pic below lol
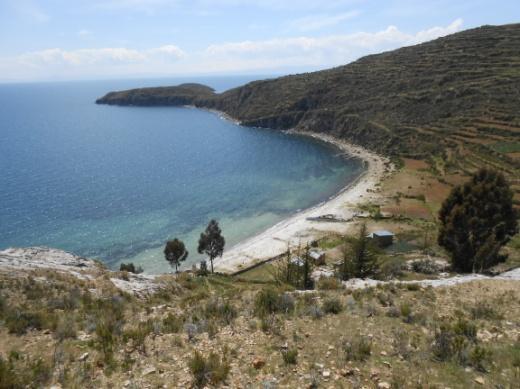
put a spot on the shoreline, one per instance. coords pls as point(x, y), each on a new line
point(297, 229)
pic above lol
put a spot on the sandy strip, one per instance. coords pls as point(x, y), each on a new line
point(297, 229)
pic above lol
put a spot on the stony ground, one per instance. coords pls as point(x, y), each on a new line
point(262, 335)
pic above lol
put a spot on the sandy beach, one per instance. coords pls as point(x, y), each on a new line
point(297, 229)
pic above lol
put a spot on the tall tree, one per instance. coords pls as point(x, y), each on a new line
point(359, 256)
point(212, 242)
point(175, 252)
point(477, 219)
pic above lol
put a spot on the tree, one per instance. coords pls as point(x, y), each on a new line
point(175, 253)
point(361, 260)
point(477, 219)
point(212, 242)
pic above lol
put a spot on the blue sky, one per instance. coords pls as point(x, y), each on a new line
point(67, 40)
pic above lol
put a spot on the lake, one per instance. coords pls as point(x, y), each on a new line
point(114, 183)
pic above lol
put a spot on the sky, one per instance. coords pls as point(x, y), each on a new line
point(99, 39)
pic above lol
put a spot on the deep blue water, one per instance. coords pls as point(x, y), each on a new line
point(115, 182)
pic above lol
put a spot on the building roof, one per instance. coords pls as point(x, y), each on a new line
point(383, 233)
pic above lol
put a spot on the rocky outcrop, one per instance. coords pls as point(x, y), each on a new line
point(25, 261)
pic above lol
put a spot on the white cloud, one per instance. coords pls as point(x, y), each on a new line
point(320, 51)
point(85, 57)
point(84, 33)
point(317, 22)
point(279, 54)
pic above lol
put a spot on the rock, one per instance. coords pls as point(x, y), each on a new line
point(326, 374)
point(347, 372)
point(383, 385)
point(480, 380)
point(149, 370)
point(258, 363)
point(83, 357)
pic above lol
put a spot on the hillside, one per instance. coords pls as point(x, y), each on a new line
point(69, 322)
point(453, 101)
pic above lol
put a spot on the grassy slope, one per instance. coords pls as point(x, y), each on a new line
point(398, 323)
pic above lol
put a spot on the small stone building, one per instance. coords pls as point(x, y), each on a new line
point(318, 257)
point(382, 238)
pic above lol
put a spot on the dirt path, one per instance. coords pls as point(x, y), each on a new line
point(512, 275)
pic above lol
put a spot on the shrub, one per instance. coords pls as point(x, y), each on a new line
point(406, 312)
point(413, 287)
point(220, 310)
point(213, 370)
point(21, 372)
point(401, 343)
point(384, 299)
point(65, 329)
point(393, 312)
point(329, 283)
point(332, 305)
point(484, 310)
point(442, 347)
point(18, 322)
point(458, 341)
point(271, 324)
point(465, 328)
point(130, 268)
point(315, 312)
point(392, 268)
point(290, 356)
point(480, 358)
point(425, 266)
point(138, 335)
point(108, 325)
point(269, 301)
point(358, 349)
point(172, 324)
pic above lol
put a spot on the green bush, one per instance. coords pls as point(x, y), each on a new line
point(466, 329)
point(220, 310)
point(172, 324)
point(329, 283)
point(484, 310)
point(332, 305)
point(213, 370)
point(130, 268)
point(21, 372)
point(138, 335)
point(480, 358)
point(358, 348)
point(18, 322)
point(290, 356)
point(457, 342)
point(269, 301)
point(406, 312)
point(65, 329)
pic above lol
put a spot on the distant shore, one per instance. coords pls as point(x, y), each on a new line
point(297, 229)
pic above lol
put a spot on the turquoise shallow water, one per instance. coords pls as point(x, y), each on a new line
point(115, 182)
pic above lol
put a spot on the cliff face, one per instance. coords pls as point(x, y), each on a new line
point(453, 97)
